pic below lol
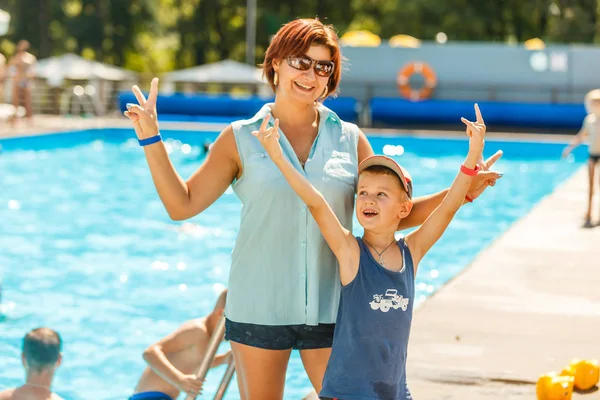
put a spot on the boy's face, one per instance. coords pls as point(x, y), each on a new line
point(381, 201)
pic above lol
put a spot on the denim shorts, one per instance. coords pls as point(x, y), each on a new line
point(280, 337)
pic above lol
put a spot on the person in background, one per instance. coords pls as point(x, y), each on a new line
point(41, 357)
point(174, 360)
point(590, 130)
point(2, 76)
point(23, 63)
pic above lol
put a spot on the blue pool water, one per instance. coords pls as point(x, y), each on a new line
point(87, 249)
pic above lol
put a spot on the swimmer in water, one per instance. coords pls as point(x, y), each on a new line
point(41, 357)
point(174, 360)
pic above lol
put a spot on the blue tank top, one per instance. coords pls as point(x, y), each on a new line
point(368, 358)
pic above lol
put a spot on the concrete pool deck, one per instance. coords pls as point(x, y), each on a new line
point(527, 304)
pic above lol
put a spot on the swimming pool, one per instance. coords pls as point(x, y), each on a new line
point(87, 249)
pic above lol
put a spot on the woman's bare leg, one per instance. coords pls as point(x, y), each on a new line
point(315, 362)
point(260, 372)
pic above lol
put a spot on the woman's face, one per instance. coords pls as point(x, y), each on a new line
point(308, 85)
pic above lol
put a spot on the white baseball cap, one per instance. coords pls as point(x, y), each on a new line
point(387, 162)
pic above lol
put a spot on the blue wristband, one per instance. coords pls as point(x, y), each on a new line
point(150, 140)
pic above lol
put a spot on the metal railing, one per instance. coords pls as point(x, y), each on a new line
point(71, 98)
point(447, 90)
point(225, 381)
point(211, 351)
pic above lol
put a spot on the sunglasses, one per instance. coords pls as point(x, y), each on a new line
point(303, 63)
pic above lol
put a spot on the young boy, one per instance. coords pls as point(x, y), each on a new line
point(174, 360)
point(368, 359)
point(591, 129)
point(41, 357)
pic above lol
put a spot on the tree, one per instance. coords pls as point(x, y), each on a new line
point(154, 36)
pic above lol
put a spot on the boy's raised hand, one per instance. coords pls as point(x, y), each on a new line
point(269, 137)
point(476, 132)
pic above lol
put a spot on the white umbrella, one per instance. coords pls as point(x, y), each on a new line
point(72, 66)
point(4, 22)
point(227, 71)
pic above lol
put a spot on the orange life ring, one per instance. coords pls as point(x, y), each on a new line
point(403, 80)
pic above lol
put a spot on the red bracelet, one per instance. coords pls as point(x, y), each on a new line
point(467, 198)
point(469, 171)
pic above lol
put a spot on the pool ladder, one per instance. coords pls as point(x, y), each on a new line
point(213, 345)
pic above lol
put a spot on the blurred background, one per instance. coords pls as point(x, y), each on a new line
point(533, 60)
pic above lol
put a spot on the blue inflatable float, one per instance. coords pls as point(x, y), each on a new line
point(395, 111)
point(225, 108)
point(383, 111)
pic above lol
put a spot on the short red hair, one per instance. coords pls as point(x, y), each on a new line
point(295, 38)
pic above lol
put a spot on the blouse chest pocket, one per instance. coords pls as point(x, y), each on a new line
point(259, 167)
point(339, 166)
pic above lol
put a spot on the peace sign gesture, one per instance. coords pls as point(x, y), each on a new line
point(143, 116)
point(269, 137)
point(475, 131)
point(484, 178)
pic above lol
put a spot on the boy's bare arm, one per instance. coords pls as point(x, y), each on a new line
point(221, 359)
point(421, 240)
point(186, 336)
point(339, 239)
point(576, 141)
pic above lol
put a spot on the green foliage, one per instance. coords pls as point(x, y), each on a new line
point(154, 36)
